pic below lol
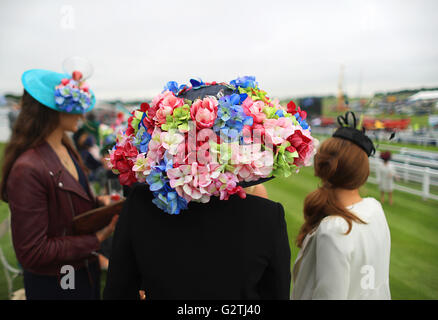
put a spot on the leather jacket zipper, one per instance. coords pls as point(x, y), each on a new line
point(71, 207)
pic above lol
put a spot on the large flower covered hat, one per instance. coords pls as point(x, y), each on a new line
point(210, 139)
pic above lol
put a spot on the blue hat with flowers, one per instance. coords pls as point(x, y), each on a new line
point(59, 91)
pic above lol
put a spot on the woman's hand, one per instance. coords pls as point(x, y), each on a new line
point(104, 200)
point(104, 233)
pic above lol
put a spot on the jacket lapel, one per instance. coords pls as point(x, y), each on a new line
point(63, 178)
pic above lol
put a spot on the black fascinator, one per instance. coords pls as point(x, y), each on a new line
point(348, 131)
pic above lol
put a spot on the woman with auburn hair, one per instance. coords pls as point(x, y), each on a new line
point(44, 183)
point(345, 240)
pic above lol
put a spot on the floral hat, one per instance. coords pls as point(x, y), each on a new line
point(62, 92)
point(210, 139)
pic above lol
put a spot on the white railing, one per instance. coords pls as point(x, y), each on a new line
point(412, 160)
point(431, 155)
point(409, 173)
point(427, 139)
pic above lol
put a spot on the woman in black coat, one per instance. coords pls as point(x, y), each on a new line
point(186, 233)
point(235, 249)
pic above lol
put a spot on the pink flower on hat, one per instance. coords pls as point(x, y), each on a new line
point(171, 141)
point(277, 130)
point(254, 165)
point(155, 147)
point(227, 186)
point(195, 181)
point(204, 112)
point(254, 109)
point(180, 176)
point(142, 167)
point(164, 105)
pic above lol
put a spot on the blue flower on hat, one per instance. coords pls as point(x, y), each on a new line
point(280, 113)
point(173, 86)
point(165, 197)
point(69, 97)
point(157, 178)
point(169, 201)
point(196, 83)
point(301, 121)
point(141, 140)
point(230, 116)
point(244, 82)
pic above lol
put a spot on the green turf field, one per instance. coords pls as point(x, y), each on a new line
point(412, 221)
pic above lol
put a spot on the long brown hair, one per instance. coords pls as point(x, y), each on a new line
point(34, 123)
point(339, 163)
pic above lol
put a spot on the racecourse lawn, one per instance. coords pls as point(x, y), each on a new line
point(412, 221)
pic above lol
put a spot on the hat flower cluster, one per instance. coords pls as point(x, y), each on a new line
point(192, 150)
point(72, 94)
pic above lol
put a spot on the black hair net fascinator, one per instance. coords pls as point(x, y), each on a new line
point(348, 131)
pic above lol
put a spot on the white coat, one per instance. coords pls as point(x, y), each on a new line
point(332, 265)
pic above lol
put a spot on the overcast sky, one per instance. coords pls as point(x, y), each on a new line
point(294, 48)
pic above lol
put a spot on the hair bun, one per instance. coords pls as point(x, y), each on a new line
point(325, 166)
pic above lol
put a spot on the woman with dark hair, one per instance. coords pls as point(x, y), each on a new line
point(44, 183)
point(345, 240)
point(385, 177)
point(188, 229)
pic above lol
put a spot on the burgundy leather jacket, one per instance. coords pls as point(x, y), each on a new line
point(43, 198)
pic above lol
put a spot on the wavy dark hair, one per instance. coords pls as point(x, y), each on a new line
point(34, 123)
point(339, 163)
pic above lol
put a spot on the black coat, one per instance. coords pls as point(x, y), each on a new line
point(235, 249)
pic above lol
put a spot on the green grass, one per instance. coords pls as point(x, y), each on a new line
point(408, 145)
point(413, 224)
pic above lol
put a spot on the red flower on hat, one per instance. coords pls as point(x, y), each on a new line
point(150, 114)
point(293, 109)
point(77, 75)
point(301, 144)
point(130, 130)
point(121, 160)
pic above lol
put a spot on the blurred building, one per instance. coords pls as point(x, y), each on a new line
point(312, 105)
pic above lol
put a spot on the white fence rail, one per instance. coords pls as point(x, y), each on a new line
point(412, 160)
point(409, 173)
point(425, 139)
point(429, 155)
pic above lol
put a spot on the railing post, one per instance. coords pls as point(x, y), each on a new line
point(426, 183)
point(406, 169)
